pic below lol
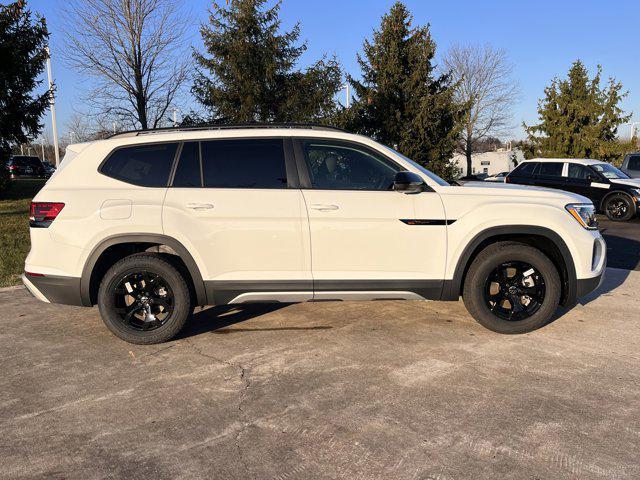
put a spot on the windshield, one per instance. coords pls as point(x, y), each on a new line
point(428, 173)
point(609, 171)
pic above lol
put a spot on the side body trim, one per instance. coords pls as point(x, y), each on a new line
point(426, 221)
point(85, 281)
point(453, 288)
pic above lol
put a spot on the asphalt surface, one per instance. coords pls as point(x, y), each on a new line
point(335, 390)
point(623, 242)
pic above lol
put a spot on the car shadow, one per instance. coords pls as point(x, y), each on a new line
point(217, 320)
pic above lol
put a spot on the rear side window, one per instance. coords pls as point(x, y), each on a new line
point(188, 174)
point(246, 163)
point(526, 169)
point(143, 165)
point(550, 169)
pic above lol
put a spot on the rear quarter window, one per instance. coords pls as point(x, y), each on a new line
point(143, 165)
point(526, 169)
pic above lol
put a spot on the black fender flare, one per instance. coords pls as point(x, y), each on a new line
point(183, 253)
point(452, 288)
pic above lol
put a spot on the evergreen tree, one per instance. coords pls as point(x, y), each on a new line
point(578, 118)
point(400, 101)
point(22, 49)
point(248, 71)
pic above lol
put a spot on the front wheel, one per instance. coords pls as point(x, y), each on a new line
point(143, 299)
point(619, 208)
point(512, 288)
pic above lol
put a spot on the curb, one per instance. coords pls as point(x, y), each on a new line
point(8, 289)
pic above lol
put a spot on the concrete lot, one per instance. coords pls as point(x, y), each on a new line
point(623, 242)
point(378, 390)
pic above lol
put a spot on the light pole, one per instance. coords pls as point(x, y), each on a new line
point(175, 117)
point(42, 147)
point(348, 93)
point(53, 110)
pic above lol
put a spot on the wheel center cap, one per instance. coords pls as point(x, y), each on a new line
point(144, 299)
point(513, 289)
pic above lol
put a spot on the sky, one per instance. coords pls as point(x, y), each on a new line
point(542, 38)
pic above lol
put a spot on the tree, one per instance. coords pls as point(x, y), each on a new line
point(400, 101)
point(579, 118)
point(23, 41)
point(133, 51)
point(483, 77)
point(247, 73)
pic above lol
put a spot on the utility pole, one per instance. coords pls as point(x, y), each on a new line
point(42, 147)
point(53, 110)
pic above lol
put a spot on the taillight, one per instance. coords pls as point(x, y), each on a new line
point(12, 167)
point(43, 213)
point(506, 180)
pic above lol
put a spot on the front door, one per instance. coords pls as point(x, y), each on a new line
point(232, 206)
point(365, 242)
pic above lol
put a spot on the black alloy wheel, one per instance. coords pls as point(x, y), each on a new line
point(619, 208)
point(143, 300)
point(514, 291)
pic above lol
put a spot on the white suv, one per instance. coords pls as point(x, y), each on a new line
point(150, 224)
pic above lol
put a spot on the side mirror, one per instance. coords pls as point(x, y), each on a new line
point(408, 182)
point(592, 177)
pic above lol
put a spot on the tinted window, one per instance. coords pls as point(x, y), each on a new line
point(188, 171)
point(634, 162)
point(249, 163)
point(550, 169)
point(144, 165)
point(526, 169)
point(578, 171)
point(347, 167)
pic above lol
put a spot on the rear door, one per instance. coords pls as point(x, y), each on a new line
point(236, 206)
point(549, 174)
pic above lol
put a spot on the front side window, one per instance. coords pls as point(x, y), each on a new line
point(609, 171)
point(550, 169)
point(143, 165)
point(339, 166)
point(579, 172)
point(244, 163)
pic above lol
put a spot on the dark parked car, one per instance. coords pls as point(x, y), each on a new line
point(612, 191)
point(21, 166)
point(631, 165)
point(478, 177)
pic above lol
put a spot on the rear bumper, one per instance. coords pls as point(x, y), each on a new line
point(54, 289)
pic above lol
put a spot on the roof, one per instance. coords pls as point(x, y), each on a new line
point(581, 161)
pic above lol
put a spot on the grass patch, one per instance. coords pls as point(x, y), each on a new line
point(14, 229)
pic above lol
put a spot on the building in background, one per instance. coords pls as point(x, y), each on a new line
point(490, 163)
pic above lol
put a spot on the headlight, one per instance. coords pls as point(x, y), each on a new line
point(636, 191)
point(584, 213)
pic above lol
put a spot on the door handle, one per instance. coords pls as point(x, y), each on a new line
point(199, 206)
point(323, 207)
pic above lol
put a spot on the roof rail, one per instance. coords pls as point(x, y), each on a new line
point(226, 126)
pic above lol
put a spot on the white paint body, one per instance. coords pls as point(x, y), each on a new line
point(290, 234)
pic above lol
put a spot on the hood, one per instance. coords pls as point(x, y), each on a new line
point(632, 182)
point(514, 191)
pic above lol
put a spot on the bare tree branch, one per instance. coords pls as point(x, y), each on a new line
point(134, 51)
point(486, 85)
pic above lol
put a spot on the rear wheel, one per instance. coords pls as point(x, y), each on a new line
point(143, 299)
point(512, 288)
point(619, 207)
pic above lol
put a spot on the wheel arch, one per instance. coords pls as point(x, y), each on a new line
point(616, 192)
point(133, 243)
point(545, 239)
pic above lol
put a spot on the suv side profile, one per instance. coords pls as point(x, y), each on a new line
point(612, 191)
point(150, 224)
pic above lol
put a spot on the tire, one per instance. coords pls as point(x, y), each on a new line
point(143, 299)
point(619, 207)
point(489, 272)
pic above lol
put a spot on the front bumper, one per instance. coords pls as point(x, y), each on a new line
point(587, 285)
point(54, 289)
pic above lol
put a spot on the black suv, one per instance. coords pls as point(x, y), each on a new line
point(25, 166)
point(612, 191)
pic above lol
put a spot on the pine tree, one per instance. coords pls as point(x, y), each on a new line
point(400, 100)
point(579, 118)
point(22, 49)
point(248, 71)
